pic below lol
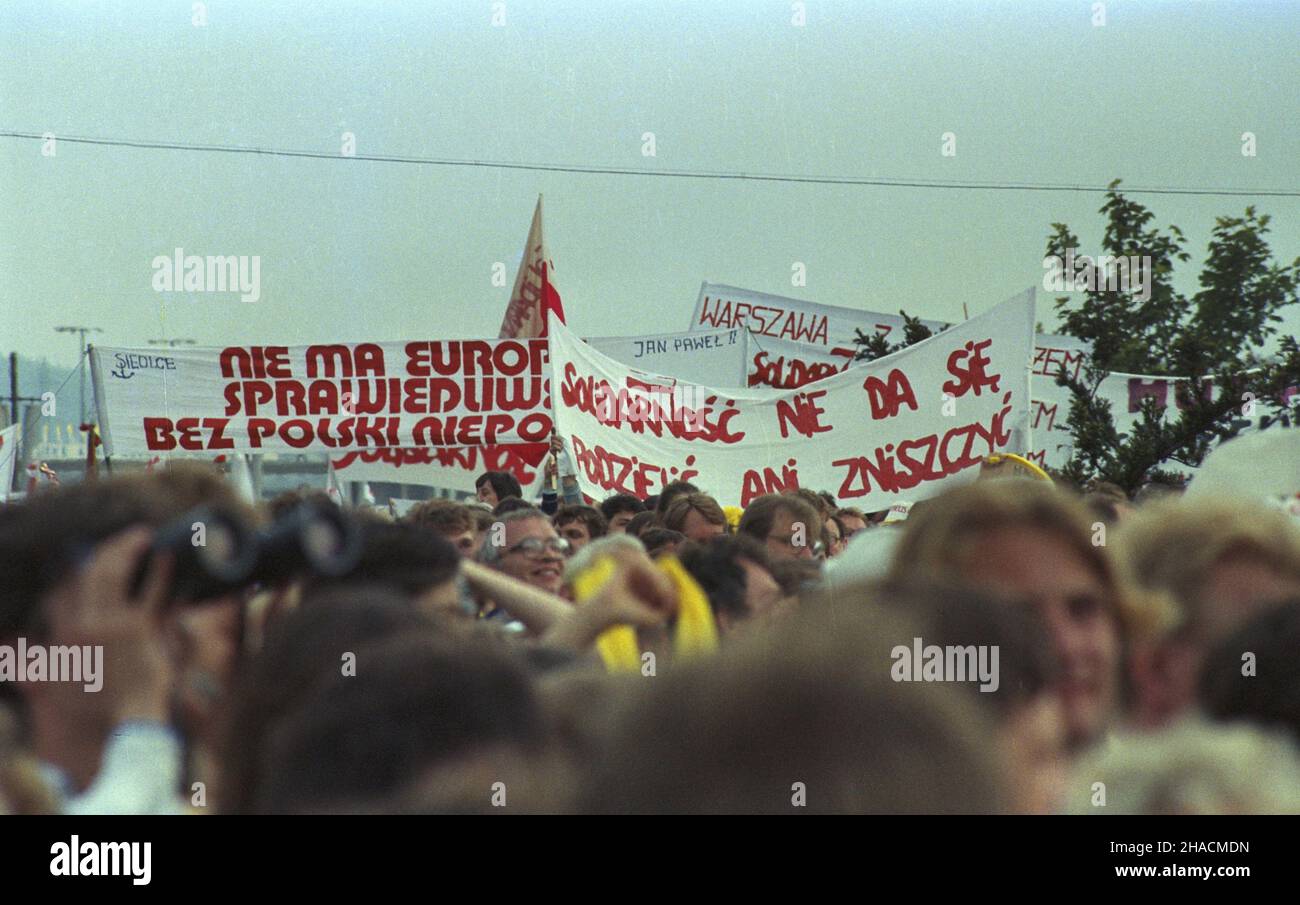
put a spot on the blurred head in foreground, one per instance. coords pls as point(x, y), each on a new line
point(1214, 565)
point(1032, 545)
point(1254, 673)
point(430, 720)
point(46, 544)
point(1002, 657)
point(806, 718)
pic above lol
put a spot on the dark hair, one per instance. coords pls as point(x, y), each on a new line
point(716, 566)
point(403, 558)
point(813, 499)
point(620, 502)
point(677, 512)
point(839, 523)
point(760, 515)
point(414, 704)
point(795, 576)
point(1270, 697)
point(504, 484)
point(589, 516)
point(672, 490)
point(811, 711)
point(643, 521)
point(301, 649)
point(655, 539)
point(41, 538)
point(512, 504)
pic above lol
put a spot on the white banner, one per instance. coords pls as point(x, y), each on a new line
point(321, 398)
point(826, 346)
point(905, 426)
point(787, 365)
point(790, 365)
point(714, 358)
point(1125, 393)
point(792, 342)
point(454, 468)
point(1052, 443)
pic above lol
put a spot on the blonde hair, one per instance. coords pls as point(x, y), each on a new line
point(1170, 547)
point(938, 534)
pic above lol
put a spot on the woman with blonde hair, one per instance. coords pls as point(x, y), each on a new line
point(1034, 544)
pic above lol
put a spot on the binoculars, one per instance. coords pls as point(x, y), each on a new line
point(216, 553)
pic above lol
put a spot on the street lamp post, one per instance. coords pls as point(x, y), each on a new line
point(81, 353)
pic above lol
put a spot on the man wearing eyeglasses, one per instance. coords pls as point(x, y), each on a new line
point(788, 526)
point(524, 545)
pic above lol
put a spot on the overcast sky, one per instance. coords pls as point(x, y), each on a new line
point(351, 250)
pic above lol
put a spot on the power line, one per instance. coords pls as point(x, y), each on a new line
point(662, 174)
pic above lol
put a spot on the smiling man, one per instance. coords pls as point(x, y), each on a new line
point(524, 545)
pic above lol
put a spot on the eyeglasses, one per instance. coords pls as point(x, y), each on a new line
point(534, 546)
point(818, 548)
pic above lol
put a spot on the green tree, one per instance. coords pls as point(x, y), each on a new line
point(878, 346)
point(1208, 338)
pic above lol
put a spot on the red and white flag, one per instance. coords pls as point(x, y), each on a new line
point(534, 298)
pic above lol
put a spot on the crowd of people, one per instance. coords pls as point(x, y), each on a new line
point(1009, 646)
